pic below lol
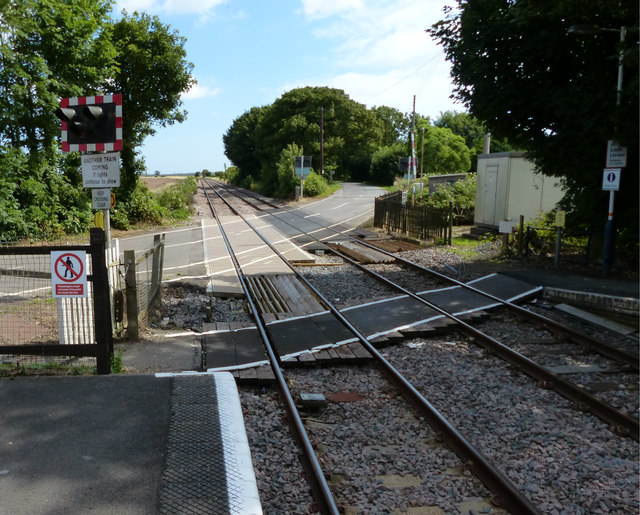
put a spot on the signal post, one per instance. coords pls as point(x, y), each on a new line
point(94, 124)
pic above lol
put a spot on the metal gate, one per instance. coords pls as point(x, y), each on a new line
point(33, 323)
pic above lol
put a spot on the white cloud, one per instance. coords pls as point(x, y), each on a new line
point(201, 91)
point(383, 32)
point(385, 52)
point(324, 8)
point(202, 7)
point(396, 88)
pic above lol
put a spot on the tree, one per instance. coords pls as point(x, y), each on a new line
point(48, 49)
point(551, 93)
point(384, 164)
point(240, 144)
point(351, 132)
point(444, 151)
point(396, 125)
point(473, 131)
point(51, 49)
point(152, 74)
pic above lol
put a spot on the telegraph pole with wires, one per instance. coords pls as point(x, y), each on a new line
point(413, 168)
point(322, 141)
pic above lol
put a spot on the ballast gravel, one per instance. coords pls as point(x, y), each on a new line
point(564, 460)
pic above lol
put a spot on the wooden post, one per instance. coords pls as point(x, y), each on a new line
point(131, 294)
point(101, 301)
point(521, 236)
point(450, 221)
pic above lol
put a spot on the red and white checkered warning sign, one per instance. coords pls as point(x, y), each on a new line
point(98, 100)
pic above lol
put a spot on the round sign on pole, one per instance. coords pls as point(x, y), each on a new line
point(68, 274)
point(611, 179)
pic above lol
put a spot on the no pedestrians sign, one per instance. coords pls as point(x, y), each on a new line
point(69, 274)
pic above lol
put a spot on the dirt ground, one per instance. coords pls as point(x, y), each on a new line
point(158, 183)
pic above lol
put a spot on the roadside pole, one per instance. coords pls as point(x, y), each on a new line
point(92, 125)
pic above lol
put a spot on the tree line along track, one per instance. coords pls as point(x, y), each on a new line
point(493, 478)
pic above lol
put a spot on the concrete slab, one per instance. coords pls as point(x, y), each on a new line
point(224, 281)
point(230, 350)
point(595, 319)
point(576, 369)
point(169, 355)
point(134, 444)
point(89, 444)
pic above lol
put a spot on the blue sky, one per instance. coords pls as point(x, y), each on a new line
point(248, 53)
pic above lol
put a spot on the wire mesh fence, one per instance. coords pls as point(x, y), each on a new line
point(143, 279)
point(38, 325)
point(28, 313)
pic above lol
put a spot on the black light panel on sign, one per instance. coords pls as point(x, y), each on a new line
point(91, 124)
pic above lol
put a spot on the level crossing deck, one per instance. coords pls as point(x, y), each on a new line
point(296, 337)
point(253, 254)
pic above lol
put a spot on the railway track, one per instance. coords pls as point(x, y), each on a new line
point(515, 500)
point(625, 364)
point(505, 492)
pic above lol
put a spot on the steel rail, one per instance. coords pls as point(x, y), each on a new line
point(585, 340)
point(620, 422)
point(507, 493)
point(321, 487)
point(248, 194)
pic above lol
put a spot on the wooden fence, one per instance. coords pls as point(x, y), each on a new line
point(421, 222)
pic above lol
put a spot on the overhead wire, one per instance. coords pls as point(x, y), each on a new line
point(403, 78)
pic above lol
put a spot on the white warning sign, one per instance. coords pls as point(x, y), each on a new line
point(69, 274)
point(101, 170)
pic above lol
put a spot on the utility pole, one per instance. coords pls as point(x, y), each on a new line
point(422, 162)
point(322, 140)
point(412, 167)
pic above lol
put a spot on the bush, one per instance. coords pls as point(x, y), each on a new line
point(287, 180)
point(247, 183)
point(143, 207)
point(119, 219)
point(315, 185)
point(461, 193)
point(384, 164)
point(230, 175)
point(178, 197)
